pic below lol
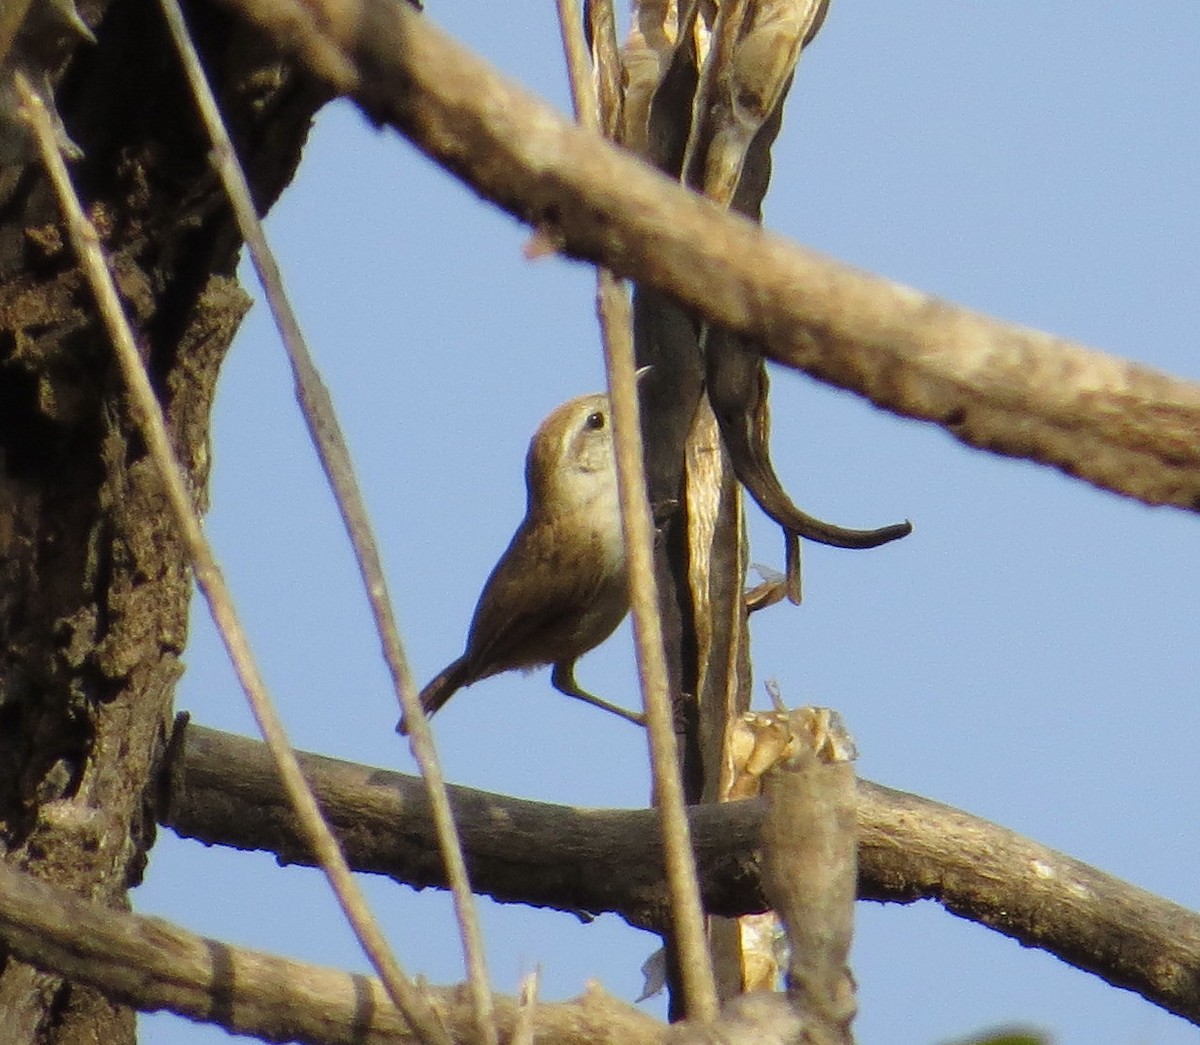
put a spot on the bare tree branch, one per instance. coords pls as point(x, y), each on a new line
point(909, 847)
point(222, 790)
point(151, 964)
point(993, 385)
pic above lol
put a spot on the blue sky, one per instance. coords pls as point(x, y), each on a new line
point(1028, 654)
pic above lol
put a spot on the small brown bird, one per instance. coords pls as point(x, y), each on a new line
point(561, 588)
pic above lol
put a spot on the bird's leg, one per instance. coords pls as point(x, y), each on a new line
point(562, 678)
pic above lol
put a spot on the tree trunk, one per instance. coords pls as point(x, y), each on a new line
point(94, 586)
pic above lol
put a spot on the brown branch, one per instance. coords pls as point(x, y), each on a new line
point(151, 964)
point(909, 847)
point(994, 385)
point(222, 790)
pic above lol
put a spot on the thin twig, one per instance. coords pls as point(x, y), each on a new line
point(316, 404)
point(151, 423)
point(616, 324)
point(579, 68)
point(699, 984)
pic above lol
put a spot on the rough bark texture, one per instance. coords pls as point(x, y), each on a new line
point(94, 588)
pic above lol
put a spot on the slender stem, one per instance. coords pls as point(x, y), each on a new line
point(699, 984)
point(149, 417)
point(616, 324)
point(579, 65)
point(316, 405)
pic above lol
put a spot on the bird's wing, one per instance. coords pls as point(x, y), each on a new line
point(511, 628)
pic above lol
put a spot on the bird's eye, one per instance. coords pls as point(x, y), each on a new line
point(595, 419)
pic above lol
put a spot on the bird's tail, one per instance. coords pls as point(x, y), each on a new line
point(441, 689)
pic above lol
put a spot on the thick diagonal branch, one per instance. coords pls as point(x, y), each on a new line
point(993, 385)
